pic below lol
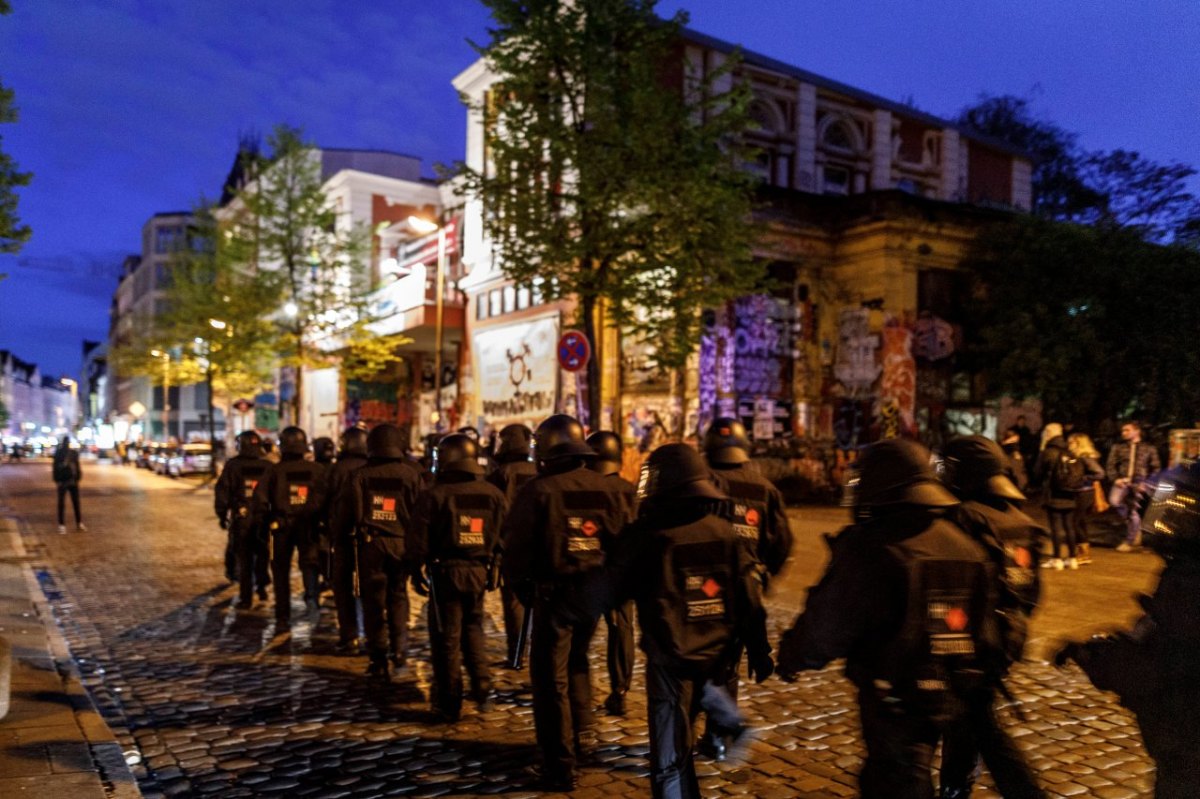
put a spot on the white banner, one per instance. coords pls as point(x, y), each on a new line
point(518, 371)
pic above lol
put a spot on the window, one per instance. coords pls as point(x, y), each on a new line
point(510, 299)
point(536, 292)
point(522, 297)
point(162, 276)
point(200, 397)
point(838, 136)
point(481, 306)
point(494, 300)
point(836, 180)
point(165, 238)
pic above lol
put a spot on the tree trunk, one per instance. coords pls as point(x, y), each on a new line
point(298, 390)
point(678, 418)
point(588, 311)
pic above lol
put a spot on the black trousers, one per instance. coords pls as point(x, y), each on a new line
point(63, 490)
point(514, 613)
point(342, 579)
point(1062, 527)
point(562, 685)
point(383, 579)
point(980, 734)
point(620, 647)
point(253, 566)
point(231, 571)
point(456, 637)
point(899, 750)
point(673, 699)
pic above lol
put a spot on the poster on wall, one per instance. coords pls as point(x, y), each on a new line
point(517, 371)
point(374, 403)
point(766, 419)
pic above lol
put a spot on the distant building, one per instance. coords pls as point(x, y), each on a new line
point(93, 384)
point(37, 405)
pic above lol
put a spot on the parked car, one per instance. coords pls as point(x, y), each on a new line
point(159, 458)
point(190, 459)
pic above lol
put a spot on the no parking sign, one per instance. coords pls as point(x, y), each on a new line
point(573, 350)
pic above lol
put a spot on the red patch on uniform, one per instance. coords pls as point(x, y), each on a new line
point(711, 588)
point(723, 431)
point(253, 484)
point(956, 619)
point(302, 492)
point(589, 528)
point(476, 525)
point(389, 504)
point(1023, 558)
point(752, 517)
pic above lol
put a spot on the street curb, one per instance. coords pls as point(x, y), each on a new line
point(116, 779)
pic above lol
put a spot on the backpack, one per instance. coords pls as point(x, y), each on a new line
point(1068, 473)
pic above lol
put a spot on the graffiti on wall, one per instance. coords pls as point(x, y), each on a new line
point(715, 368)
point(933, 338)
point(856, 365)
point(762, 345)
point(374, 403)
point(898, 381)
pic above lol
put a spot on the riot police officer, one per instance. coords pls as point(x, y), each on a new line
point(909, 600)
point(977, 472)
point(559, 529)
point(342, 543)
point(285, 502)
point(315, 557)
point(382, 496)
point(619, 620)
point(233, 495)
point(456, 539)
point(513, 471)
point(697, 590)
point(756, 510)
point(1155, 667)
point(324, 450)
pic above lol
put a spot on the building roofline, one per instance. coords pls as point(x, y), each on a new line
point(366, 150)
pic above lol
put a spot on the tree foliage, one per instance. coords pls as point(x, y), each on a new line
point(12, 233)
point(613, 171)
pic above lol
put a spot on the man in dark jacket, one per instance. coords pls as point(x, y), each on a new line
point(343, 545)
point(381, 498)
point(976, 471)
point(757, 512)
point(1155, 667)
point(284, 502)
point(232, 500)
point(561, 527)
point(909, 600)
point(514, 469)
point(456, 539)
point(1130, 463)
point(67, 473)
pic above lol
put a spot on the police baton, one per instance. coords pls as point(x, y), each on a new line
point(435, 613)
point(518, 661)
point(357, 588)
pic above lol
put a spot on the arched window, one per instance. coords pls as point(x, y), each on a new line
point(765, 116)
point(838, 136)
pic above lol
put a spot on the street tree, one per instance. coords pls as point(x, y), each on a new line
point(12, 233)
point(614, 171)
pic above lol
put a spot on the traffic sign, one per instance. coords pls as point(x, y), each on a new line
point(573, 350)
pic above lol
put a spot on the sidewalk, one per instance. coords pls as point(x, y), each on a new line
point(53, 743)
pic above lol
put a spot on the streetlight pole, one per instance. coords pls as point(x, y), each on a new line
point(438, 328)
point(166, 414)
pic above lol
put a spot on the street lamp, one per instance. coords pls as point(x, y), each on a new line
point(166, 414)
point(425, 226)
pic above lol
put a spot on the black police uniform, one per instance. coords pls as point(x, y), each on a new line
point(233, 495)
point(619, 620)
point(559, 528)
point(510, 476)
point(343, 561)
point(285, 502)
point(383, 495)
point(456, 535)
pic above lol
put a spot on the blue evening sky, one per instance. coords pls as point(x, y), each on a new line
point(129, 107)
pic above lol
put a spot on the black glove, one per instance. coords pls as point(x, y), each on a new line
point(761, 667)
point(524, 592)
point(1069, 652)
point(420, 584)
point(493, 576)
point(224, 522)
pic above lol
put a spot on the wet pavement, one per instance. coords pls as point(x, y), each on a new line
point(209, 702)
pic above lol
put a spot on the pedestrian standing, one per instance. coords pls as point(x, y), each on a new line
point(561, 527)
point(284, 504)
point(382, 496)
point(1081, 447)
point(618, 620)
point(456, 540)
point(1018, 468)
point(1062, 476)
point(908, 599)
point(67, 473)
point(232, 500)
point(514, 469)
point(1130, 463)
point(343, 544)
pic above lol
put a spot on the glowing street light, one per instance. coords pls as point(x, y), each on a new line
point(218, 324)
point(291, 310)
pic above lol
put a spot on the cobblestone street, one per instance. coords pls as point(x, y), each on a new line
point(211, 702)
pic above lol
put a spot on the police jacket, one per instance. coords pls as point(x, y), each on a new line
point(235, 487)
point(561, 526)
point(696, 586)
point(288, 493)
point(756, 510)
point(1155, 667)
point(511, 477)
point(456, 530)
point(382, 497)
point(1013, 541)
point(902, 593)
point(337, 476)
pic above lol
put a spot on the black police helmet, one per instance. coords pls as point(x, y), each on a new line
point(515, 441)
point(354, 441)
point(458, 452)
point(726, 442)
point(1171, 523)
point(898, 472)
point(676, 471)
point(977, 466)
point(249, 443)
point(607, 446)
point(561, 436)
point(324, 449)
point(292, 441)
point(386, 441)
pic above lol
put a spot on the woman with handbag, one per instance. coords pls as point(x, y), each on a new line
point(1090, 499)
